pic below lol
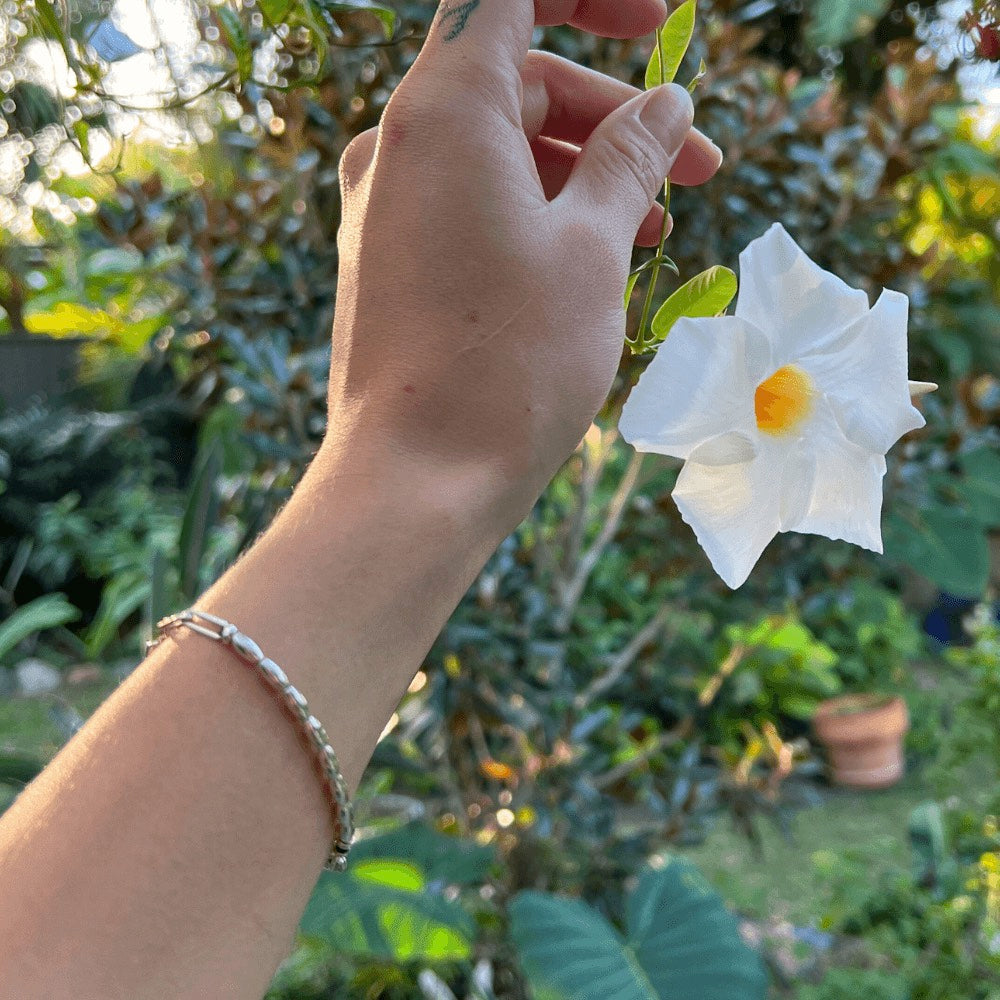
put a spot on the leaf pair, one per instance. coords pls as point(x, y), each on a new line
point(710, 292)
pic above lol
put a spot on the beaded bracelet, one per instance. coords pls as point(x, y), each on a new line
point(249, 652)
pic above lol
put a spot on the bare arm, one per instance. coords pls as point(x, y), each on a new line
point(170, 848)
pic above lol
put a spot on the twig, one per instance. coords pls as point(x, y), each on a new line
point(625, 658)
point(573, 591)
point(593, 468)
point(707, 694)
point(664, 740)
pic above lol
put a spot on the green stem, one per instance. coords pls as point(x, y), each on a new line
point(648, 304)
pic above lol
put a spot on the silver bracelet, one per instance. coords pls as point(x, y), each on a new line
point(248, 651)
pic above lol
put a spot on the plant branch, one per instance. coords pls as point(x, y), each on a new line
point(620, 663)
point(573, 591)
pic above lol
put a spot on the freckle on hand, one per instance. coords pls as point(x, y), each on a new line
point(472, 317)
point(393, 133)
point(409, 388)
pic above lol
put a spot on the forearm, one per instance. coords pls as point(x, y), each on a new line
point(171, 846)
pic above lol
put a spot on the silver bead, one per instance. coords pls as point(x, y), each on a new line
point(317, 728)
point(246, 647)
point(228, 631)
point(296, 699)
point(274, 672)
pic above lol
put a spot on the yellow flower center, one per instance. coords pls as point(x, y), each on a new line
point(784, 400)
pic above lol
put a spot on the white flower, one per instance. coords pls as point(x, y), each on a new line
point(783, 412)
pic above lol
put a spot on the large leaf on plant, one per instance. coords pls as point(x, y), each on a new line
point(122, 595)
point(681, 944)
point(706, 294)
point(675, 37)
point(946, 546)
point(19, 768)
point(836, 21)
point(439, 858)
point(980, 486)
point(42, 613)
point(383, 912)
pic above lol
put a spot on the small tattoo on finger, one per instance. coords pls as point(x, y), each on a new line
point(456, 16)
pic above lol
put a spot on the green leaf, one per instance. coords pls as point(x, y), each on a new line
point(675, 37)
point(391, 872)
point(681, 942)
point(67, 319)
point(19, 769)
point(52, 27)
point(706, 294)
point(947, 546)
point(438, 856)
point(837, 21)
point(698, 77)
point(199, 517)
point(362, 917)
point(123, 594)
point(275, 11)
point(42, 613)
point(980, 486)
point(82, 132)
point(630, 287)
point(236, 37)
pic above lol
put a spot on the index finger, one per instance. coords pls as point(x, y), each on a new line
point(497, 33)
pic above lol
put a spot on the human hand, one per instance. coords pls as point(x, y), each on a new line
point(483, 255)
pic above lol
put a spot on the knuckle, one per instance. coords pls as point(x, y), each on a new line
point(410, 114)
point(630, 158)
point(356, 158)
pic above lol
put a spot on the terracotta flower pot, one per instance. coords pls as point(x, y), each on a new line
point(863, 735)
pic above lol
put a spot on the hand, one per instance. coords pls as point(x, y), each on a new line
point(484, 255)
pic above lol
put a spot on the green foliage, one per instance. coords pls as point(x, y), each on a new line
point(946, 545)
point(383, 910)
point(837, 21)
point(568, 697)
point(783, 670)
point(200, 516)
point(672, 41)
point(680, 941)
point(706, 294)
point(847, 984)
point(42, 613)
point(931, 925)
point(874, 635)
point(18, 768)
point(391, 904)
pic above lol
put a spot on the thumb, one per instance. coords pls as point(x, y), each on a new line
point(628, 157)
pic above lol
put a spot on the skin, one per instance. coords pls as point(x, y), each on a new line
point(170, 848)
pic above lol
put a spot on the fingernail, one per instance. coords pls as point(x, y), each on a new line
point(668, 114)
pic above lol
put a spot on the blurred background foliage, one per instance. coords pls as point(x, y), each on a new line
point(600, 701)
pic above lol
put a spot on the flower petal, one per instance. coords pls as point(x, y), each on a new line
point(699, 385)
point(726, 449)
point(790, 297)
point(734, 511)
point(837, 486)
point(863, 374)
